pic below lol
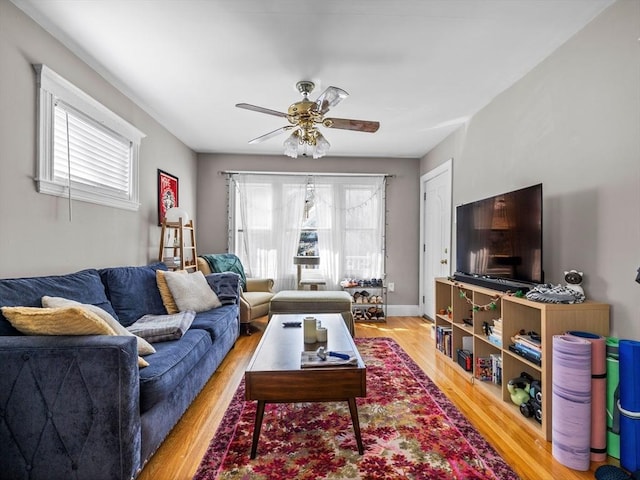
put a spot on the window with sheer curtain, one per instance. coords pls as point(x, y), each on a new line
point(339, 218)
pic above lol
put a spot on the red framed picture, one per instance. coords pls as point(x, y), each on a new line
point(167, 193)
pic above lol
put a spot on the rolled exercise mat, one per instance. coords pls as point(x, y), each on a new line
point(598, 394)
point(629, 404)
point(571, 399)
point(613, 412)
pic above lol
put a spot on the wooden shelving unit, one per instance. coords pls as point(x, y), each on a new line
point(517, 314)
point(178, 245)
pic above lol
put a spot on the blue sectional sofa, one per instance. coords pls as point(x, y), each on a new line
point(79, 407)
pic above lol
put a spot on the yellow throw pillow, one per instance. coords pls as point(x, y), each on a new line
point(59, 321)
point(144, 347)
point(56, 321)
point(165, 293)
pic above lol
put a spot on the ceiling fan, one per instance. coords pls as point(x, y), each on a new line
point(304, 118)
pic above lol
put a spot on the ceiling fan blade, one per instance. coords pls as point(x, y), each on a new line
point(330, 98)
point(254, 108)
point(269, 135)
point(350, 124)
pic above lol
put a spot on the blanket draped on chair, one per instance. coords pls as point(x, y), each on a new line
point(227, 262)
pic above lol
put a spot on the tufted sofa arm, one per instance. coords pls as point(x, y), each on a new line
point(69, 407)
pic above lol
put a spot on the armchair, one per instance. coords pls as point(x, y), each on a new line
point(256, 293)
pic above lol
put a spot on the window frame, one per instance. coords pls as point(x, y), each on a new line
point(53, 88)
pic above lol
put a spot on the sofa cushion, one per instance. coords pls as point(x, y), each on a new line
point(144, 347)
point(168, 367)
point(191, 292)
point(217, 321)
point(257, 298)
point(83, 286)
point(133, 291)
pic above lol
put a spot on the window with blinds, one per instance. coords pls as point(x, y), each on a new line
point(86, 152)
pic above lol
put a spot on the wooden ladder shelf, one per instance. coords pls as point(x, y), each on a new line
point(178, 245)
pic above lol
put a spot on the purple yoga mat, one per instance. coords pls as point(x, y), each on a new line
point(571, 397)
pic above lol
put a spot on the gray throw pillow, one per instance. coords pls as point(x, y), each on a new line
point(191, 292)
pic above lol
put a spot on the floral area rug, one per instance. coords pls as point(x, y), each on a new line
point(410, 430)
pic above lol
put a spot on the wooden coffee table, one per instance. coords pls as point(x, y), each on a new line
point(274, 374)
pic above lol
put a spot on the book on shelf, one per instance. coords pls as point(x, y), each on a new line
point(495, 339)
point(483, 368)
point(443, 339)
point(496, 368)
point(526, 355)
point(171, 260)
point(495, 332)
point(497, 326)
point(528, 350)
point(532, 341)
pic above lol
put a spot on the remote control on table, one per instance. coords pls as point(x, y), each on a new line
point(291, 324)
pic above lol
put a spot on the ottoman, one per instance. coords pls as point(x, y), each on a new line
point(313, 301)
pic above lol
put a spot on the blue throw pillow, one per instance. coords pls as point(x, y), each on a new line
point(133, 291)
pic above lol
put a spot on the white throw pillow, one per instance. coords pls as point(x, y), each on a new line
point(191, 292)
point(144, 347)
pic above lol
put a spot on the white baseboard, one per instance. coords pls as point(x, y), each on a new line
point(403, 310)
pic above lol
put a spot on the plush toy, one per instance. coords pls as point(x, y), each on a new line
point(519, 390)
point(574, 280)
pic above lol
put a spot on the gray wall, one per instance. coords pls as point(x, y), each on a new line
point(36, 236)
point(403, 193)
point(573, 123)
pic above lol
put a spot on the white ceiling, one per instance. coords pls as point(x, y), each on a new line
point(420, 67)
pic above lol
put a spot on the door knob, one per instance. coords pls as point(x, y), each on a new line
point(443, 261)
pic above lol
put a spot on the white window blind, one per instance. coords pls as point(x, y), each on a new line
point(86, 152)
point(98, 157)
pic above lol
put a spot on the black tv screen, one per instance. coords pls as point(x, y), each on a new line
point(501, 237)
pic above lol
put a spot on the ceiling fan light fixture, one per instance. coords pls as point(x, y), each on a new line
point(322, 146)
point(305, 116)
point(291, 145)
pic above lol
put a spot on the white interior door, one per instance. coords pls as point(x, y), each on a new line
point(435, 233)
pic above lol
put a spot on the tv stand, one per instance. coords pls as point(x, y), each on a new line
point(484, 307)
point(499, 284)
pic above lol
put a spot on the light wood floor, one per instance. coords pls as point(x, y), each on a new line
point(529, 455)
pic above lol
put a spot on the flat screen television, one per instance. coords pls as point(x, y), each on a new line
point(499, 239)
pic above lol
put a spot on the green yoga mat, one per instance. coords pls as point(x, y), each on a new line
point(613, 378)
